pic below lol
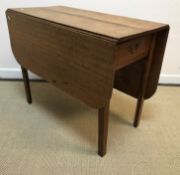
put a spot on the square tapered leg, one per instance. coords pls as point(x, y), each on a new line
point(144, 83)
point(103, 119)
point(26, 85)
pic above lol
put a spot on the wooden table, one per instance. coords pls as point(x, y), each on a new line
point(87, 54)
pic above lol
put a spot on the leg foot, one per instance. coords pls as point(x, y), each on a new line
point(103, 118)
point(138, 111)
point(26, 85)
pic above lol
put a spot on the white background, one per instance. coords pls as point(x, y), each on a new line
point(165, 11)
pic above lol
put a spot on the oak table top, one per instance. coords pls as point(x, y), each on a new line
point(87, 54)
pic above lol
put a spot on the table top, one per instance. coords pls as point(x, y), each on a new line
point(111, 27)
point(77, 50)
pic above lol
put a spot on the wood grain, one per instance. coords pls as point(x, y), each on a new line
point(110, 26)
point(128, 79)
point(131, 51)
point(79, 64)
point(123, 79)
point(114, 45)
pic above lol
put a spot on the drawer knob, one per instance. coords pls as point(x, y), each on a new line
point(133, 47)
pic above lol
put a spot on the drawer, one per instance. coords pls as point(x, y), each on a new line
point(131, 51)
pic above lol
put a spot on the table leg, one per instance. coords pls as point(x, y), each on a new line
point(139, 107)
point(103, 119)
point(144, 82)
point(26, 85)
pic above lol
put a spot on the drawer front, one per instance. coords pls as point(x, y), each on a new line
point(131, 51)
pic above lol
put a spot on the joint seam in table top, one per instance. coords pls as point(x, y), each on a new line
point(111, 39)
point(82, 31)
point(73, 14)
